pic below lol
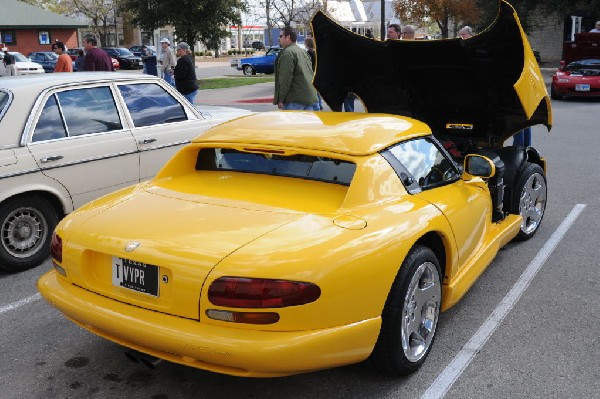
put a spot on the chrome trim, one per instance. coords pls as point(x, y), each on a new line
point(88, 160)
point(158, 147)
point(10, 98)
point(20, 173)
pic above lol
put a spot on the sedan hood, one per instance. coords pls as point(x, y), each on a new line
point(198, 233)
point(485, 88)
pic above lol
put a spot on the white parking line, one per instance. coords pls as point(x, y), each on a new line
point(18, 304)
point(446, 379)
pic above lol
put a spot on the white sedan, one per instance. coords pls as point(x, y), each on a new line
point(25, 66)
point(69, 138)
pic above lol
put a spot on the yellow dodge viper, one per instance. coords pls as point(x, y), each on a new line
point(287, 242)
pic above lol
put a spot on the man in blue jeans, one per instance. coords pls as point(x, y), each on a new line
point(523, 138)
point(293, 75)
point(185, 73)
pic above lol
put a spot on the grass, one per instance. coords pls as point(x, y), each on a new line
point(225, 83)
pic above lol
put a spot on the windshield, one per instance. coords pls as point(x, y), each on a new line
point(585, 67)
point(20, 57)
point(123, 51)
point(309, 167)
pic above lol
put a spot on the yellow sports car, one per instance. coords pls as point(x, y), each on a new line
point(287, 242)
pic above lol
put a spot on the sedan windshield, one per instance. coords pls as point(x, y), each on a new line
point(123, 51)
point(20, 57)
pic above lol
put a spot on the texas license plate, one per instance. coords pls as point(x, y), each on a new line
point(582, 87)
point(135, 276)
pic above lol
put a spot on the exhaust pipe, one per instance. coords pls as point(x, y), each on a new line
point(132, 355)
point(149, 361)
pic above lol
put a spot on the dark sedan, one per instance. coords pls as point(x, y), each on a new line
point(126, 58)
point(47, 59)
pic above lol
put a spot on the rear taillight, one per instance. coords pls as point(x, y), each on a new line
point(56, 253)
point(238, 292)
point(56, 247)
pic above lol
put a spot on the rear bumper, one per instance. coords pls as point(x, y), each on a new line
point(239, 352)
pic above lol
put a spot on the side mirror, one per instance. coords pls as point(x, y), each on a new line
point(480, 166)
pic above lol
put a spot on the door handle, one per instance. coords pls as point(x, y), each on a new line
point(146, 141)
point(51, 158)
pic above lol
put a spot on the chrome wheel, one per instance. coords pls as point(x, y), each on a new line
point(532, 203)
point(420, 311)
point(248, 70)
point(24, 230)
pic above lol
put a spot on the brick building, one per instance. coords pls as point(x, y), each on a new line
point(26, 28)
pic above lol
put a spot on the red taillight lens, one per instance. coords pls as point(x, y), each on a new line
point(238, 292)
point(56, 247)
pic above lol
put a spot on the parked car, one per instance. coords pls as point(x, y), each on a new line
point(73, 53)
point(579, 71)
point(25, 66)
point(69, 138)
point(137, 50)
point(287, 242)
point(258, 45)
point(125, 57)
point(258, 64)
point(47, 59)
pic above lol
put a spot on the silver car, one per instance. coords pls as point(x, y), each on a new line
point(69, 138)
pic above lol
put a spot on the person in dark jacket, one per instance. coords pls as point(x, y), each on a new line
point(185, 73)
point(80, 61)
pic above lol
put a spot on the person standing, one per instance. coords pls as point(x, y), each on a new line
point(293, 75)
point(9, 63)
point(466, 32)
point(80, 61)
point(309, 43)
point(64, 62)
point(167, 61)
point(408, 33)
point(523, 138)
point(185, 73)
point(96, 59)
point(393, 31)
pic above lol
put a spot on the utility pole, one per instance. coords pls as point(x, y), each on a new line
point(383, 30)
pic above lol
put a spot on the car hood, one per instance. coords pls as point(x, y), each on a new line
point(28, 64)
point(585, 46)
point(485, 88)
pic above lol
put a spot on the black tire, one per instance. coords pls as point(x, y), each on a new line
point(248, 70)
point(529, 199)
point(399, 351)
point(554, 95)
point(26, 226)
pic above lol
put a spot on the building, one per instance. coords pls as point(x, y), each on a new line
point(26, 28)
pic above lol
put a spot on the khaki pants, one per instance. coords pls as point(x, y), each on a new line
point(11, 70)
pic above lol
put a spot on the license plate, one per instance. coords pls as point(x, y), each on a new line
point(582, 87)
point(135, 276)
point(140, 63)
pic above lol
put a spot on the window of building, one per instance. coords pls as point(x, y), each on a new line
point(44, 37)
point(8, 37)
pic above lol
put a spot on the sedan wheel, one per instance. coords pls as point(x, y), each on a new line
point(530, 199)
point(248, 70)
point(410, 315)
point(26, 229)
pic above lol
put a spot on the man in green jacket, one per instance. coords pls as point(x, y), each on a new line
point(293, 75)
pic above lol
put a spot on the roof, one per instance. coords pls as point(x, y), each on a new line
point(18, 15)
point(350, 133)
point(38, 83)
